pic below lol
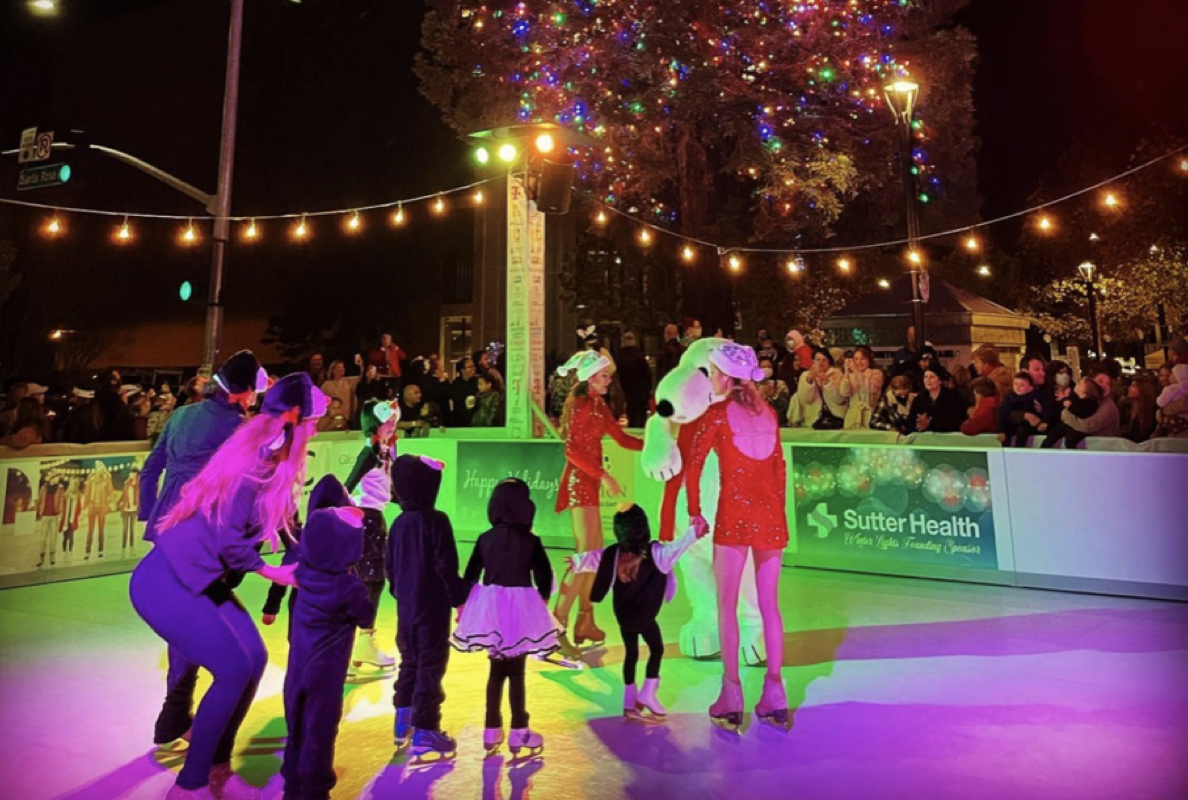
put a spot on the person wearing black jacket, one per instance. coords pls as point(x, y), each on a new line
point(937, 409)
point(639, 572)
point(332, 602)
point(423, 568)
point(636, 377)
point(507, 613)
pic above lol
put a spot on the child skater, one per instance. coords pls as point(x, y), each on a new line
point(639, 571)
point(333, 600)
point(504, 614)
point(423, 565)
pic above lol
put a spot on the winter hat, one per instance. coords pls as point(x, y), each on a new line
point(241, 373)
point(511, 504)
point(737, 360)
point(585, 363)
point(295, 391)
point(375, 413)
point(632, 530)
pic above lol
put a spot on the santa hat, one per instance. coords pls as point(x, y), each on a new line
point(295, 391)
point(585, 364)
point(736, 360)
point(241, 373)
point(375, 413)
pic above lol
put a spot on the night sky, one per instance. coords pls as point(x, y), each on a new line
point(331, 116)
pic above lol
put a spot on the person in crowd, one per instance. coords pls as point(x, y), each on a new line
point(370, 387)
point(411, 408)
point(987, 365)
point(1037, 367)
point(8, 413)
point(116, 422)
point(1177, 351)
point(342, 388)
point(894, 411)
point(862, 386)
point(670, 352)
point(507, 612)
point(962, 382)
point(1018, 409)
point(388, 358)
point(435, 391)
point(184, 587)
point(30, 425)
point(1057, 387)
point(1140, 422)
point(819, 386)
point(905, 360)
point(333, 601)
point(463, 394)
point(766, 347)
point(184, 448)
point(484, 365)
point(335, 418)
point(83, 420)
point(489, 410)
point(1087, 399)
point(774, 390)
point(316, 369)
point(1172, 402)
point(195, 391)
point(1164, 374)
point(984, 417)
point(636, 378)
point(938, 409)
point(163, 405)
point(692, 331)
point(798, 357)
point(423, 571)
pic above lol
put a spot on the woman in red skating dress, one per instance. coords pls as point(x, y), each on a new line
point(751, 519)
point(584, 422)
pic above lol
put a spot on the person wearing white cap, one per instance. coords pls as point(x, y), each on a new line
point(585, 420)
point(751, 520)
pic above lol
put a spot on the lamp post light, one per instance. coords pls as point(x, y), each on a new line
point(901, 99)
point(1088, 269)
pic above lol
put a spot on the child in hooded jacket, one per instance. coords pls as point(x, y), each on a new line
point(423, 569)
point(505, 614)
point(638, 572)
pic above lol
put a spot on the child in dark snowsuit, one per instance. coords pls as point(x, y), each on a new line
point(332, 602)
point(423, 566)
point(640, 573)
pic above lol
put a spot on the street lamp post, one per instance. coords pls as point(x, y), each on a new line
point(1088, 269)
point(901, 99)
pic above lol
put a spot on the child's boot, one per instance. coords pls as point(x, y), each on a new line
point(648, 699)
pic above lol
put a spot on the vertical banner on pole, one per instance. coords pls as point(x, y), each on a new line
point(519, 422)
point(536, 313)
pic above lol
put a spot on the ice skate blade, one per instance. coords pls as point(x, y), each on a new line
point(429, 757)
point(778, 719)
point(559, 660)
point(176, 747)
point(527, 752)
point(730, 722)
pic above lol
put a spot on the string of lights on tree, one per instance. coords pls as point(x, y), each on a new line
point(398, 214)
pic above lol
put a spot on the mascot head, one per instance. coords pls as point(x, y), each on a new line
point(685, 393)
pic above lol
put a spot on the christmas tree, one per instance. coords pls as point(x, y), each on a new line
point(734, 121)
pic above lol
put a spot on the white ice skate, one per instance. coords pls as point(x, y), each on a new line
point(648, 700)
point(367, 653)
point(525, 743)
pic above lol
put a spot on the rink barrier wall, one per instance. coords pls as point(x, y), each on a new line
point(1106, 520)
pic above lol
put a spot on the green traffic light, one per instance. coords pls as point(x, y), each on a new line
point(64, 173)
point(186, 291)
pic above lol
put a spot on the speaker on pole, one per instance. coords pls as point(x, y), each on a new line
point(555, 187)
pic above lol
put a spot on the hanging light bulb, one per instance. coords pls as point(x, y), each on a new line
point(398, 215)
point(884, 283)
point(123, 234)
point(1184, 165)
point(354, 223)
point(645, 237)
point(301, 229)
point(439, 206)
point(971, 243)
point(734, 262)
point(984, 271)
point(478, 197)
point(1110, 200)
point(251, 233)
point(915, 257)
point(54, 226)
point(190, 234)
point(601, 217)
point(1046, 224)
point(844, 264)
point(688, 253)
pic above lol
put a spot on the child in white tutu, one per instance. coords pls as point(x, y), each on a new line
point(505, 614)
point(639, 571)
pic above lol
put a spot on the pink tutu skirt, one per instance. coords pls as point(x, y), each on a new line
point(507, 622)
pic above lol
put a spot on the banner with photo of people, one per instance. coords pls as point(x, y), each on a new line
point(70, 513)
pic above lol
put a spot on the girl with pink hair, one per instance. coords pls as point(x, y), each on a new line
point(184, 588)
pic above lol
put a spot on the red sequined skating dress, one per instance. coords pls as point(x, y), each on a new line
point(751, 501)
point(581, 481)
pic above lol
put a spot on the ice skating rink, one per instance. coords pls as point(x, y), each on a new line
point(901, 688)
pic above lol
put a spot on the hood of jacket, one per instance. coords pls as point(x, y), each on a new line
point(328, 493)
point(416, 481)
point(332, 540)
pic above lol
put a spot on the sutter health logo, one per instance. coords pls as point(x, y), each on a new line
point(877, 522)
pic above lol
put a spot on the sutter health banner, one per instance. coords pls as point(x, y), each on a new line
point(896, 504)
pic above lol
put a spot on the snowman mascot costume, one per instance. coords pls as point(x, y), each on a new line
point(682, 398)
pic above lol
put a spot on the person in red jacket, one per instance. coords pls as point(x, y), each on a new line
point(984, 418)
point(585, 420)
